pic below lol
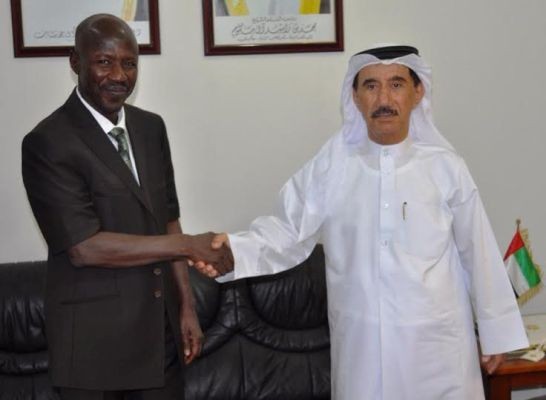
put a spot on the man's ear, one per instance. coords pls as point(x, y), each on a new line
point(419, 93)
point(356, 100)
point(75, 61)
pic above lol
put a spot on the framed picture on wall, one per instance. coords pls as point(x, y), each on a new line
point(272, 26)
point(43, 28)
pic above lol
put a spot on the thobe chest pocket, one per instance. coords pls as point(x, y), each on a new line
point(424, 229)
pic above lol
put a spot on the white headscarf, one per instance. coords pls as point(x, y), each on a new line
point(322, 175)
point(422, 128)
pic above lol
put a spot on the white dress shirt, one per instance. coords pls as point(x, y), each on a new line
point(107, 125)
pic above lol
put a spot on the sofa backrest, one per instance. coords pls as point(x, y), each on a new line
point(265, 337)
point(23, 347)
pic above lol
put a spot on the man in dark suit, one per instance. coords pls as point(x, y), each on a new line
point(100, 182)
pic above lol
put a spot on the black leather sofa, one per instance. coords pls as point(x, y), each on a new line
point(266, 337)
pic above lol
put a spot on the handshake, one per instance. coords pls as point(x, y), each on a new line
point(209, 253)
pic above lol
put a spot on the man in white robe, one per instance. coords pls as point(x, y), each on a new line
point(411, 261)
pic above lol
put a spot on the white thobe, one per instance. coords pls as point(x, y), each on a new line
point(410, 256)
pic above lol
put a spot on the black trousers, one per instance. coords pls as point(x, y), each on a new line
point(174, 381)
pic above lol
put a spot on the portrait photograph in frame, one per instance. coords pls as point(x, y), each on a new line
point(46, 28)
point(272, 26)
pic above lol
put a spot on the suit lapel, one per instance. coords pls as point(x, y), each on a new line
point(93, 136)
point(137, 134)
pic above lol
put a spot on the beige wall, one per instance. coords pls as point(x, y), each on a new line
point(241, 125)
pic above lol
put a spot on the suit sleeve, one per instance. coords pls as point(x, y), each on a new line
point(173, 208)
point(57, 192)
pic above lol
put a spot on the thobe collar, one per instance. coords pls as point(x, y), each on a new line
point(401, 152)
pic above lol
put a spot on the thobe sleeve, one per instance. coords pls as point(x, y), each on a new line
point(278, 242)
point(500, 326)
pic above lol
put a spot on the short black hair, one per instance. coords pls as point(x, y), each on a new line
point(91, 30)
point(413, 74)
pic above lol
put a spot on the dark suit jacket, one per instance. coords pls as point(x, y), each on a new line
point(105, 327)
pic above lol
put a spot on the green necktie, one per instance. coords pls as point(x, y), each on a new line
point(123, 147)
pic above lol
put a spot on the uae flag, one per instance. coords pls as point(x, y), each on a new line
point(523, 273)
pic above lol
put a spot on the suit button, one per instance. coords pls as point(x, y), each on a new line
point(157, 271)
point(157, 294)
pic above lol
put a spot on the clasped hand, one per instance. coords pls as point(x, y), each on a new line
point(211, 254)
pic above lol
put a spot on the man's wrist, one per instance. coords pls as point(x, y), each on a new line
point(182, 245)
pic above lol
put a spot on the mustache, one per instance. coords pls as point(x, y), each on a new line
point(384, 111)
